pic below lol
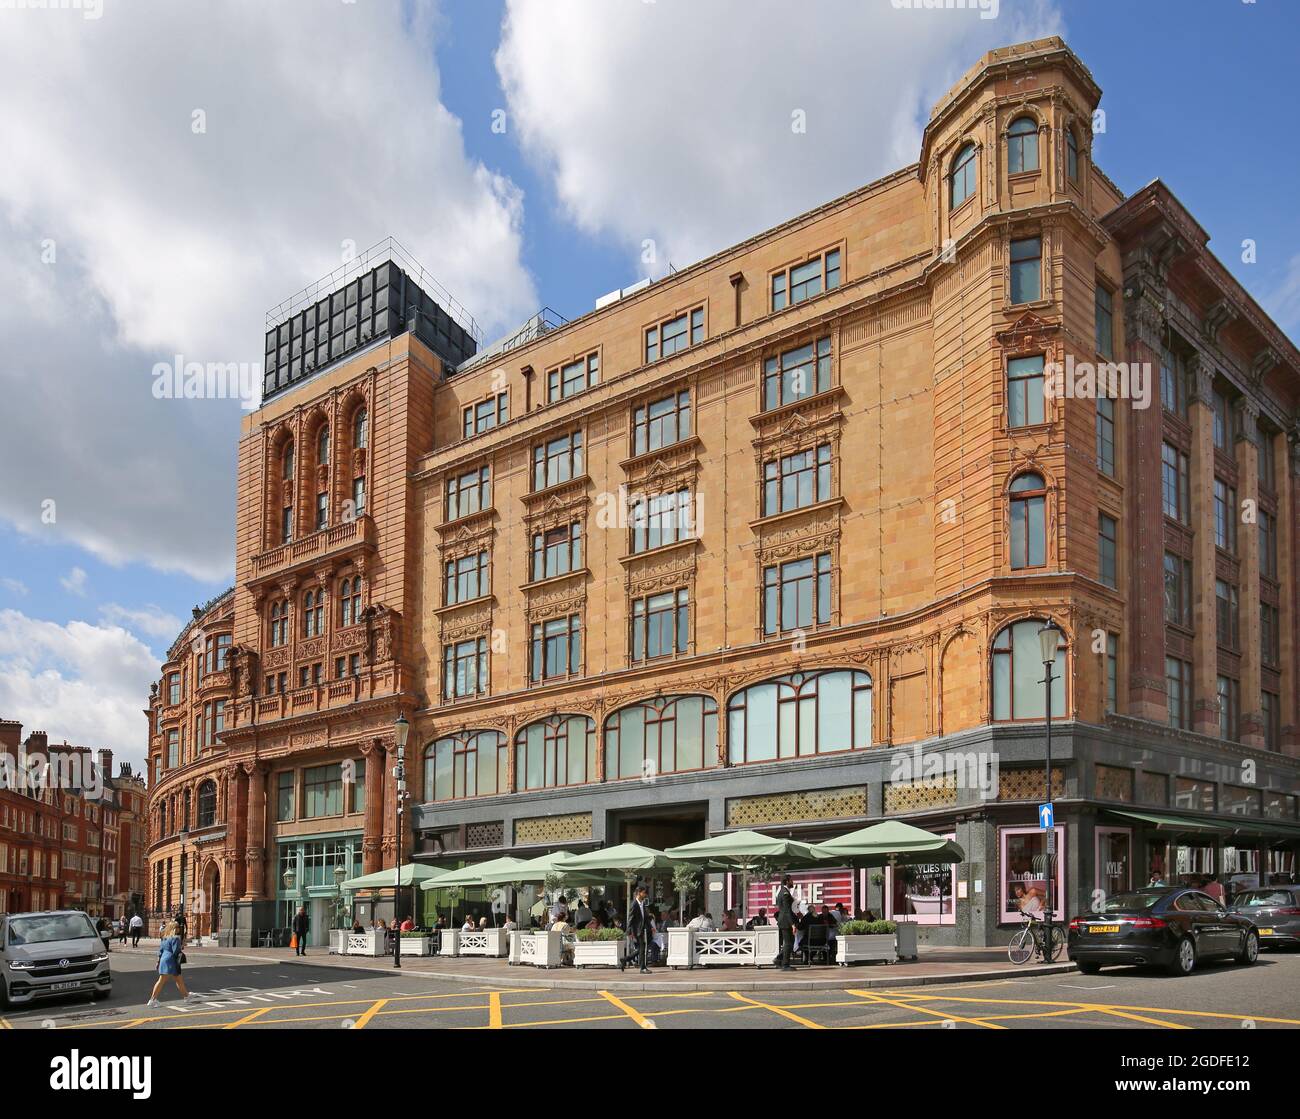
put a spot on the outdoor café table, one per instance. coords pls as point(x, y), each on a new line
point(745, 947)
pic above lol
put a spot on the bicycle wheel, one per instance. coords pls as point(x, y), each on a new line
point(1021, 947)
point(1058, 941)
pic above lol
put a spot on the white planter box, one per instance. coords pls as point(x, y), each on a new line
point(600, 953)
point(339, 942)
point(417, 945)
point(450, 942)
point(753, 948)
point(890, 947)
point(366, 944)
point(486, 942)
point(541, 949)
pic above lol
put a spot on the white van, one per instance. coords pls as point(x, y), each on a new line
point(46, 955)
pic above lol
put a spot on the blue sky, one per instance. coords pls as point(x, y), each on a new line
point(604, 144)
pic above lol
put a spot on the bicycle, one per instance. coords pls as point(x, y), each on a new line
point(1029, 941)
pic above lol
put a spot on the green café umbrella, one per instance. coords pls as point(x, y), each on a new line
point(892, 842)
point(743, 850)
point(540, 868)
point(410, 874)
point(476, 874)
point(625, 859)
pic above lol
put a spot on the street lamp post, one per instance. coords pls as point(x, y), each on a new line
point(290, 879)
point(1049, 640)
point(185, 842)
point(340, 875)
point(401, 729)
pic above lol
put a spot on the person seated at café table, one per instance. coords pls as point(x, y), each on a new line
point(408, 925)
point(840, 914)
point(702, 922)
point(758, 922)
point(357, 926)
point(582, 914)
point(560, 925)
point(470, 924)
point(729, 922)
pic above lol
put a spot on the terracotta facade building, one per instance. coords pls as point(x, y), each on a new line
point(768, 542)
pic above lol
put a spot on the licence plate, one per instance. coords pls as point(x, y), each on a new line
point(1103, 928)
point(1266, 932)
point(65, 986)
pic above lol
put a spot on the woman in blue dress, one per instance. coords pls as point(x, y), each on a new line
point(169, 964)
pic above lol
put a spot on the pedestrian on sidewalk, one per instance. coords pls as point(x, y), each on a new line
point(300, 931)
point(638, 927)
point(137, 929)
point(171, 956)
point(785, 920)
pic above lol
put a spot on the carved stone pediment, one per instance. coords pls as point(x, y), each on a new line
point(1029, 332)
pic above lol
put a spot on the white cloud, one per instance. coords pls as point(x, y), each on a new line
point(323, 124)
point(151, 620)
point(74, 582)
point(673, 120)
point(15, 586)
point(82, 683)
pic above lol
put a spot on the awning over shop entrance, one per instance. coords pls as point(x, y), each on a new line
point(1243, 828)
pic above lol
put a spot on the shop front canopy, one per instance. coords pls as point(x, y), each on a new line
point(744, 849)
point(473, 875)
point(892, 842)
point(410, 874)
point(1244, 827)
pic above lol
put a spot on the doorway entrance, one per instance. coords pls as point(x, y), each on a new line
point(660, 829)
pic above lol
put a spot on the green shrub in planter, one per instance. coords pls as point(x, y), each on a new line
point(414, 933)
point(601, 934)
point(867, 928)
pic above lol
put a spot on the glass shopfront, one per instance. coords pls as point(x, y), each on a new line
point(311, 863)
point(1114, 862)
point(1024, 873)
point(921, 893)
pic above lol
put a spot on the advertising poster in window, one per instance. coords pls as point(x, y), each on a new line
point(922, 893)
point(811, 887)
point(1024, 876)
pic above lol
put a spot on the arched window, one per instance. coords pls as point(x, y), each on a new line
point(313, 613)
point(962, 176)
point(323, 445)
point(350, 601)
point(671, 734)
point(207, 804)
point(467, 764)
point(280, 622)
point(800, 715)
point(1028, 521)
point(1018, 673)
point(1071, 155)
point(360, 429)
point(556, 752)
point(286, 460)
point(1022, 145)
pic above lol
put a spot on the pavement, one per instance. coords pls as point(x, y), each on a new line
point(272, 989)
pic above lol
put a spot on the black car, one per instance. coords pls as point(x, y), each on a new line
point(1273, 910)
point(1169, 926)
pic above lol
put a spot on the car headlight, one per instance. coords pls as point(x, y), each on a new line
point(99, 959)
point(18, 965)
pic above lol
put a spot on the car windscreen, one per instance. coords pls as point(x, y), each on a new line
point(1254, 899)
point(1128, 903)
point(42, 928)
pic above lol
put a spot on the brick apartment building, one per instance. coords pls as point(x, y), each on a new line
point(72, 840)
point(762, 543)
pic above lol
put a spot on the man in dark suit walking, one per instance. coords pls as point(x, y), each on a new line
point(638, 927)
point(300, 931)
point(784, 902)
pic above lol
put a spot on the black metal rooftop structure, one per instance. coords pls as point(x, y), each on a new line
point(379, 294)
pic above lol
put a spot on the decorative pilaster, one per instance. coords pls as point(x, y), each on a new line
point(255, 850)
point(1247, 450)
point(1205, 705)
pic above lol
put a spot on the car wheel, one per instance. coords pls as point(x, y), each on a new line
point(1089, 969)
point(102, 994)
point(1249, 949)
point(1184, 962)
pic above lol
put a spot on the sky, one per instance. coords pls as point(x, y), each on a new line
point(171, 169)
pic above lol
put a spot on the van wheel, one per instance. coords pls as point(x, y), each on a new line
point(1184, 958)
